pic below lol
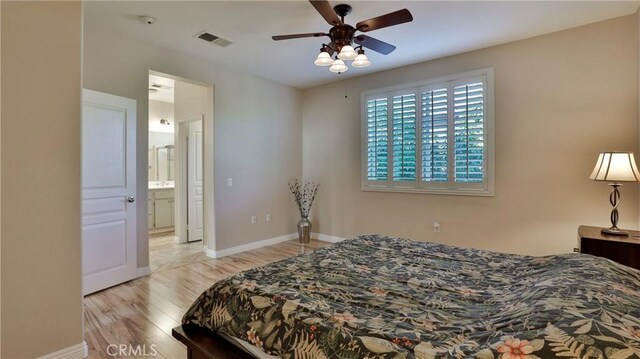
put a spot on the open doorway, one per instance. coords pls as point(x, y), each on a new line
point(177, 110)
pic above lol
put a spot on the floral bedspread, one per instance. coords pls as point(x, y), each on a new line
point(380, 297)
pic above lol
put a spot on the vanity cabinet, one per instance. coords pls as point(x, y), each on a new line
point(162, 209)
point(164, 213)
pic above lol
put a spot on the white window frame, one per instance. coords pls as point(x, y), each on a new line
point(486, 188)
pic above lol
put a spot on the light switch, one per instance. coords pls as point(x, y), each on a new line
point(230, 182)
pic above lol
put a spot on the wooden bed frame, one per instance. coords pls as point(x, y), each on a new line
point(205, 344)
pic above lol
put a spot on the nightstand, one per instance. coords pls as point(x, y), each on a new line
point(624, 250)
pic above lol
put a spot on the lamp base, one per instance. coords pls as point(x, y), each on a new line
point(615, 231)
point(614, 199)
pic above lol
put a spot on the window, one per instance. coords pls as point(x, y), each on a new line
point(432, 137)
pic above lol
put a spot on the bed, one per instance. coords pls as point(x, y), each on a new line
point(381, 297)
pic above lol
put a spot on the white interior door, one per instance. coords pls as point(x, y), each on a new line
point(195, 208)
point(108, 190)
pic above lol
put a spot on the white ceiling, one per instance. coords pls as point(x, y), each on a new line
point(440, 28)
point(164, 89)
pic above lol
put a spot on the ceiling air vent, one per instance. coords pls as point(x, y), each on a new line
point(213, 39)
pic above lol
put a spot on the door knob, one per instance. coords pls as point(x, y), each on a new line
point(131, 199)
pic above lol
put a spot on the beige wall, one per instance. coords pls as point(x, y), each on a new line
point(190, 101)
point(160, 110)
point(41, 263)
point(257, 133)
point(560, 99)
point(0, 182)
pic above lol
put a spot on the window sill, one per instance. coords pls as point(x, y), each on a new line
point(443, 191)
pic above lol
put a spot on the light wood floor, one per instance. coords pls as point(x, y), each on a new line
point(166, 253)
point(143, 311)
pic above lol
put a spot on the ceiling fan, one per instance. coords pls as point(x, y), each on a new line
point(342, 36)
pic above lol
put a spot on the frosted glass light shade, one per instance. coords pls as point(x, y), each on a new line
point(616, 167)
point(338, 66)
point(347, 53)
point(323, 59)
point(361, 61)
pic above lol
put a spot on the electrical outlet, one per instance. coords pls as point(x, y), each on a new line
point(230, 182)
point(268, 217)
point(436, 226)
point(254, 219)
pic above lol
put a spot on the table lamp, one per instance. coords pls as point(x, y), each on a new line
point(615, 167)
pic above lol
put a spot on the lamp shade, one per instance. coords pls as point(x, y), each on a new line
point(347, 53)
point(361, 61)
point(616, 167)
point(323, 59)
point(338, 66)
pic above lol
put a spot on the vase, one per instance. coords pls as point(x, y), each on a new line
point(304, 230)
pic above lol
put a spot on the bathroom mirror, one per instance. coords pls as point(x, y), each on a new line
point(161, 163)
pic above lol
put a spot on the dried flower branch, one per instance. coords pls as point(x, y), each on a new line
point(304, 195)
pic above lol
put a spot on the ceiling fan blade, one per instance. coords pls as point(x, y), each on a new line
point(326, 10)
point(374, 44)
point(390, 19)
point(297, 36)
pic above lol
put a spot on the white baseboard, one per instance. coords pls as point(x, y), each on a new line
point(265, 242)
point(249, 246)
point(78, 351)
point(141, 272)
point(327, 238)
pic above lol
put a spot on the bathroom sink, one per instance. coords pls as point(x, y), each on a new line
point(161, 184)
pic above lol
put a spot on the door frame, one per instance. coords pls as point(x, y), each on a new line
point(208, 156)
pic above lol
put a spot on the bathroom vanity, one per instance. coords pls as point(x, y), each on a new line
point(161, 206)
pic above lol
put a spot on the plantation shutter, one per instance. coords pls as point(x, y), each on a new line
point(430, 137)
point(469, 124)
point(434, 133)
point(404, 137)
point(377, 139)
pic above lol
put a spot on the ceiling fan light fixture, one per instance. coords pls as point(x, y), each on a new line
point(361, 60)
point(338, 67)
point(323, 59)
point(347, 53)
point(343, 36)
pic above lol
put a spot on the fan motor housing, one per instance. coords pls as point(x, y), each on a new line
point(342, 10)
point(342, 35)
